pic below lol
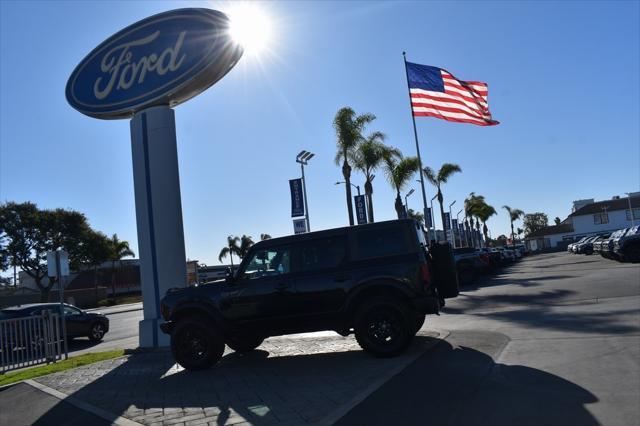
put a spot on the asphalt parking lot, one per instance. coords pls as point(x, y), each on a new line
point(553, 339)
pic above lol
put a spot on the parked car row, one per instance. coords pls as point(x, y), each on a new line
point(472, 262)
point(622, 245)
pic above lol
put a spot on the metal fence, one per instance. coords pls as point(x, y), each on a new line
point(30, 341)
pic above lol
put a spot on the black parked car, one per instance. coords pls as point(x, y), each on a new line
point(377, 280)
point(79, 323)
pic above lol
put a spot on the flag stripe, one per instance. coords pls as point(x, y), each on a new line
point(450, 107)
point(450, 110)
point(456, 120)
point(419, 98)
point(471, 102)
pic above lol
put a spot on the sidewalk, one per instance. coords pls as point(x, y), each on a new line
point(118, 309)
point(287, 382)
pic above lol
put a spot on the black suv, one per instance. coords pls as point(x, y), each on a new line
point(376, 280)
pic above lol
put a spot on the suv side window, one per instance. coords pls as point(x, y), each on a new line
point(381, 242)
point(269, 262)
point(325, 253)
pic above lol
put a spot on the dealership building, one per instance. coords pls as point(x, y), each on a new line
point(588, 217)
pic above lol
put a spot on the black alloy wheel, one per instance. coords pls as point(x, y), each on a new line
point(195, 345)
point(384, 328)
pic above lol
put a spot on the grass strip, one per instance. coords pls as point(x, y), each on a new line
point(67, 364)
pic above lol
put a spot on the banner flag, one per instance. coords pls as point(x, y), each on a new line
point(361, 209)
point(297, 200)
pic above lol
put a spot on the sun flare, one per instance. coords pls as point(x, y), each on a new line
point(250, 26)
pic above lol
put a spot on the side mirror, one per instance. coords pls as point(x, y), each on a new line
point(228, 275)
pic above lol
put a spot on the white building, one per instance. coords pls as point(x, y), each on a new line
point(589, 217)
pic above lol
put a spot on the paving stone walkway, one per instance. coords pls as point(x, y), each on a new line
point(288, 381)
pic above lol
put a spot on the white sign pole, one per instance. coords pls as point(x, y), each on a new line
point(59, 275)
point(158, 215)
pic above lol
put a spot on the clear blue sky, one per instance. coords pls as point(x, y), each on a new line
point(563, 80)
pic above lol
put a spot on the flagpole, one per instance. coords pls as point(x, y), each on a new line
point(415, 135)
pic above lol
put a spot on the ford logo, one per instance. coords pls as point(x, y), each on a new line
point(165, 59)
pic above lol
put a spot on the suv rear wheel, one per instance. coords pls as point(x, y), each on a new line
point(244, 343)
point(384, 328)
point(195, 344)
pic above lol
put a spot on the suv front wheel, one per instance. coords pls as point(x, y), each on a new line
point(384, 328)
point(195, 344)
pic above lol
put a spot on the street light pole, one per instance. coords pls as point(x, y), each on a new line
point(303, 158)
point(458, 225)
point(451, 230)
point(433, 219)
point(406, 205)
point(357, 187)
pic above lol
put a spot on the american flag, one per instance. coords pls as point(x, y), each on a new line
point(437, 93)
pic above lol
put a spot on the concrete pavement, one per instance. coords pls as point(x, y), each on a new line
point(554, 339)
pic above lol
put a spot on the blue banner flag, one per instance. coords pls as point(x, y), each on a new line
point(297, 200)
point(361, 209)
point(428, 219)
point(447, 221)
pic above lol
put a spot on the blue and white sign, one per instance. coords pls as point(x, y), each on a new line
point(428, 218)
point(297, 200)
point(165, 59)
point(361, 209)
point(299, 226)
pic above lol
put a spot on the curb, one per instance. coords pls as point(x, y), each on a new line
point(113, 418)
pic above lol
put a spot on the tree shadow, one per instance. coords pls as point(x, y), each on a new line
point(541, 310)
point(504, 279)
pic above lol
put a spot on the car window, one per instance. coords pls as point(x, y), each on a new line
point(268, 262)
point(381, 242)
point(70, 311)
point(323, 253)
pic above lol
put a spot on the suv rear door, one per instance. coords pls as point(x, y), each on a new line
point(322, 275)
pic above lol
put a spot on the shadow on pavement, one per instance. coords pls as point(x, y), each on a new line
point(507, 279)
point(462, 385)
point(293, 389)
point(541, 311)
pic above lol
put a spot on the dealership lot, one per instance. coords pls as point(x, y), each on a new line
point(553, 339)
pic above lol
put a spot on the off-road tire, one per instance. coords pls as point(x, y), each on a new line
point(244, 343)
point(384, 328)
point(196, 344)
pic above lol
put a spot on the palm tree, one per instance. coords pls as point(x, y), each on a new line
point(245, 244)
point(367, 157)
point(485, 211)
point(349, 127)
point(118, 249)
point(417, 216)
point(472, 206)
point(230, 249)
point(514, 214)
point(399, 172)
point(439, 178)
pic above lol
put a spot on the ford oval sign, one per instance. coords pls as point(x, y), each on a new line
point(165, 59)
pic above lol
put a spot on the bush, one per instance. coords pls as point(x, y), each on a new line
point(107, 302)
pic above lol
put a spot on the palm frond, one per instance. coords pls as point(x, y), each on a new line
point(404, 171)
point(446, 170)
point(431, 176)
